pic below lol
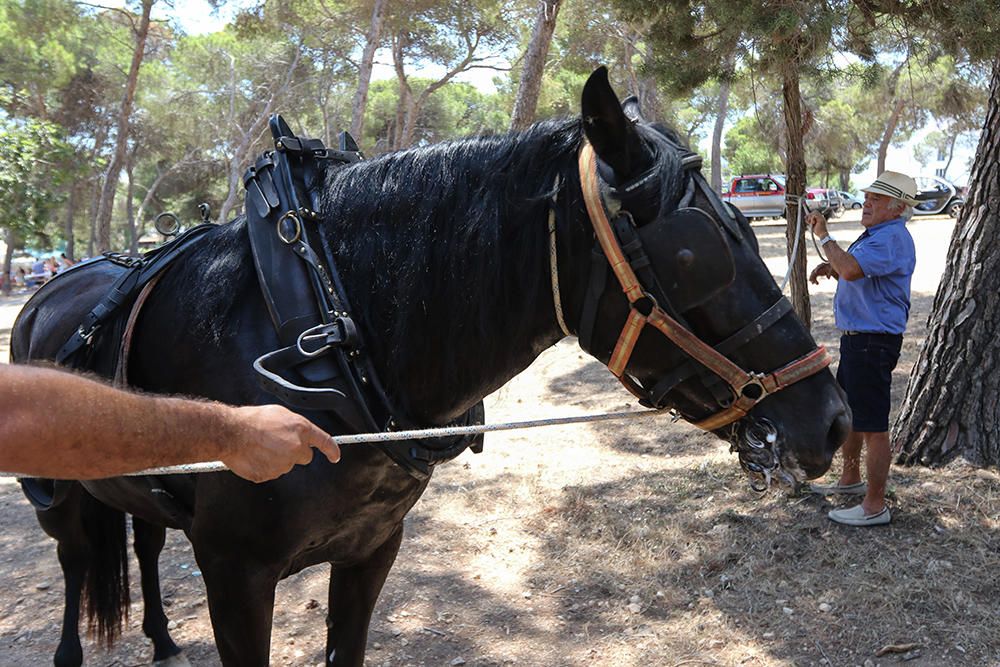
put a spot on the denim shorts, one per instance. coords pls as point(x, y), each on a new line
point(865, 373)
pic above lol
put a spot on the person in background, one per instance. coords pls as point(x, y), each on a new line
point(871, 308)
point(60, 425)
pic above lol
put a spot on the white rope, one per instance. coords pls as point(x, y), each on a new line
point(554, 263)
point(795, 245)
point(417, 434)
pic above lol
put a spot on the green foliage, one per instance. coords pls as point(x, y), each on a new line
point(34, 157)
point(457, 110)
point(750, 150)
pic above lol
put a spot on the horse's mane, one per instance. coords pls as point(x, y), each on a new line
point(450, 240)
point(439, 247)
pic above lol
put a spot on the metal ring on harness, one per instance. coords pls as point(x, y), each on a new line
point(286, 238)
point(167, 229)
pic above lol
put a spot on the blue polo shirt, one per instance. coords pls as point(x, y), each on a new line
point(880, 301)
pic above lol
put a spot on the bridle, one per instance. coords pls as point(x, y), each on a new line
point(745, 388)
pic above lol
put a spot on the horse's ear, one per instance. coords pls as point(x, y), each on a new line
point(610, 132)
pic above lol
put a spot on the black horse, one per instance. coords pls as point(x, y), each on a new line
point(444, 252)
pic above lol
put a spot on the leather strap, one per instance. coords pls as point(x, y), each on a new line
point(747, 388)
point(139, 271)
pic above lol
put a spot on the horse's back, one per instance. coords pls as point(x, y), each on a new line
point(49, 317)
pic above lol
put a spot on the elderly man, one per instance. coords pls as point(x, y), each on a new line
point(871, 308)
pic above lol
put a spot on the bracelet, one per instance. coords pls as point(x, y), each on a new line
point(823, 241)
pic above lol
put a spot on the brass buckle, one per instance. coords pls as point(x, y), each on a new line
point(756, 386)
point(283, 234)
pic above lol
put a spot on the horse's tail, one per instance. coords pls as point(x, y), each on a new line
point(106, 592)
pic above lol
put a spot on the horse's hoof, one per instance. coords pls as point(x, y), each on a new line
point(179, 660)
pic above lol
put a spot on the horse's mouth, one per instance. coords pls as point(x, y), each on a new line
point(758, 444)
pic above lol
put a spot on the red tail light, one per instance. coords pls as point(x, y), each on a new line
point(810, 195)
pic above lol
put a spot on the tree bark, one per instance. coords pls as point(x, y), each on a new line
point(951, 153)
point(845, 179)
point(890, 129)
point(107, 202)
point(92, 216)
point(795, 171)
point(372, 39)
point(133, 238)
point(720, 122)
point(533, 67)
point(8, 257)
point(951, 403)
point(68, 223)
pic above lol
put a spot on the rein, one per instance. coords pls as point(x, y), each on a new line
point(748, 388)
point(415, 434)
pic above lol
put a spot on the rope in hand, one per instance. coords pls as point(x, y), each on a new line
point(418, 434)
point(799, 202)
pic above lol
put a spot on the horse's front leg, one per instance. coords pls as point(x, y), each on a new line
point(148, 543)
point(240, 603)
point(353, 593)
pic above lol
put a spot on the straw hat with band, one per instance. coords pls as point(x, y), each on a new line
point(896, 185)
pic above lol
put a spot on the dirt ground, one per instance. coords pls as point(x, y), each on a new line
point(637, 545)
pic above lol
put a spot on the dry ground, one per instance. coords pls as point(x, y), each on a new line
point(612, 545)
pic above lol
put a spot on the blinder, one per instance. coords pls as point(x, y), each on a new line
point(689, 258)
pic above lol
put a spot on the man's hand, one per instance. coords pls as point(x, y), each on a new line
point(818, 224)
point(273, 440)
point(824, 270)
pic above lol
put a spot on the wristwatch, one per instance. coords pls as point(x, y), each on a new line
point(823, 241)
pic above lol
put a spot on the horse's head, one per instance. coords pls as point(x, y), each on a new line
point(690, 318)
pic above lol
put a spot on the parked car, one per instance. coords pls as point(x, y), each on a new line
point(936, 195)
point(817, 200)
point(850, 201)
point(835, 201)
point(763, 196)
point(757, 195)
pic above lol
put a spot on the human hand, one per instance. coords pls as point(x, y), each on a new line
point(824, 270)
point(818, 224)
point(273, 439)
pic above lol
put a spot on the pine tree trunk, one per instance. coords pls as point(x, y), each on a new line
point(8, 259)
point(92, 216)
point(796, 185)
point(372, 40)
point(890, 129)
point(533, 68)
point(951, 402)
point(951, 154)
point(720, 122)
point(107, 202)
point(133, 238)
point(68, 224)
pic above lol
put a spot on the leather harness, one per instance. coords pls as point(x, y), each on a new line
point(310, 310)
point(744, 389)
point(322, 364)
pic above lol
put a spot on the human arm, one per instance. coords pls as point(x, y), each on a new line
point(841, 262)
point(61, 425)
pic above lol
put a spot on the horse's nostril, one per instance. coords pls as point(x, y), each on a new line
point(839, 430)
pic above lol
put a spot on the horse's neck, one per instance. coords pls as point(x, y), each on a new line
point(444, 337)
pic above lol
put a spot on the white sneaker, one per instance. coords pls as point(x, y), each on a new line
point(855, 516)
point(857, 489)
